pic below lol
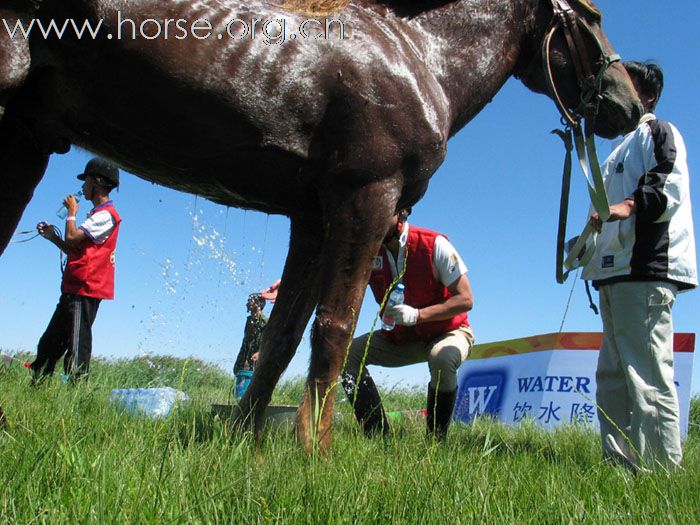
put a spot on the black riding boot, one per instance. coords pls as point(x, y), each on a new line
point(41, 371)
point(440, 409)
point(367, 404)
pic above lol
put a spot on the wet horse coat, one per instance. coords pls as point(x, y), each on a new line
point(334, 133)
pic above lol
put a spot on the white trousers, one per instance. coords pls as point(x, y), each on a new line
point(637, 399)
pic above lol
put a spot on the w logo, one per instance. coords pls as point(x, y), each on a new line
point(479, 398)
point(478, 394)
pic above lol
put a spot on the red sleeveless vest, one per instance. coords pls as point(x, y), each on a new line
point(90, 267)
point(421, 287)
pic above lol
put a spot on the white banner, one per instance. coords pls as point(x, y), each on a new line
point(549, 379)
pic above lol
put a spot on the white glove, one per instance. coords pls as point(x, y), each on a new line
point(404, 315)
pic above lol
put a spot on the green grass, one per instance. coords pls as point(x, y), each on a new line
point(69, 456)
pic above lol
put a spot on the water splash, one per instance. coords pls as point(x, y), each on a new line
point(201, 288)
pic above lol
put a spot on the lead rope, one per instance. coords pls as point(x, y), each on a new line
point(568, 302)
point(57, 231)
point(596, 189)
point(565, 136)
point(24, 232)
point(585, 146)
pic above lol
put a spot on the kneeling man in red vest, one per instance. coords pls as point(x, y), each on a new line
point(88, 277)
point(431, 325)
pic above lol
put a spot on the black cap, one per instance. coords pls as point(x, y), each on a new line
point(105, 170)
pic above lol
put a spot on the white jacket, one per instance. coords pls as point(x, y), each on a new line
point(657, 242)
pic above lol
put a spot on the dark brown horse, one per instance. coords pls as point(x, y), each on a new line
point(334, 132)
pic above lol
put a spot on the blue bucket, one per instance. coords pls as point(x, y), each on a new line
point(243, 378)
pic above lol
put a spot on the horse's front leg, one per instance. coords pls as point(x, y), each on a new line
point(22, 165)
point(295, 302)
point(356, 222)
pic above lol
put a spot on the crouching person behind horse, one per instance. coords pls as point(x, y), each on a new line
point(88, 277)
point(250, 346)
point(431, 325)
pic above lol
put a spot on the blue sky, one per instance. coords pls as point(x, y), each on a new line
point(186, 266)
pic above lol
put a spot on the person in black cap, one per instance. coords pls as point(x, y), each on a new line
point(88, 276)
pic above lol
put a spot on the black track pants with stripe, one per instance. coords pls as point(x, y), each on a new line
point(70, 333)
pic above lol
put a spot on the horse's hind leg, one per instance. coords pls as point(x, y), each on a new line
point(356, 225)
point(22, 166)
point(296, 300)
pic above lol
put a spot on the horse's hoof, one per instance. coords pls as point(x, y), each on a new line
point(315, 436)
point(241, 421)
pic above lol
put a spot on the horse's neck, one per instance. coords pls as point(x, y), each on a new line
point(479, 43)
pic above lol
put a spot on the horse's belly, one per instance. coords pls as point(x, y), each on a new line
point(197, 115)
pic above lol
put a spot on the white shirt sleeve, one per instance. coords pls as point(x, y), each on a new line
point(447, 263)
point(98, 226)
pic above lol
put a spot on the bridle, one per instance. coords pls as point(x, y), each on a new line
point(590, 83)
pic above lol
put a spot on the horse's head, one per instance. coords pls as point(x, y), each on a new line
point(572, 61)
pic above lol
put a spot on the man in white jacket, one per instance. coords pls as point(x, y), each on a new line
point(644, 256)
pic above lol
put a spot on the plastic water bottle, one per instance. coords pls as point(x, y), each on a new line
point(396, 297)
point(62, 212)
point(151, 402)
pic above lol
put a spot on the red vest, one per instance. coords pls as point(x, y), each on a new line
point(90, 267)
point(421, 287)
